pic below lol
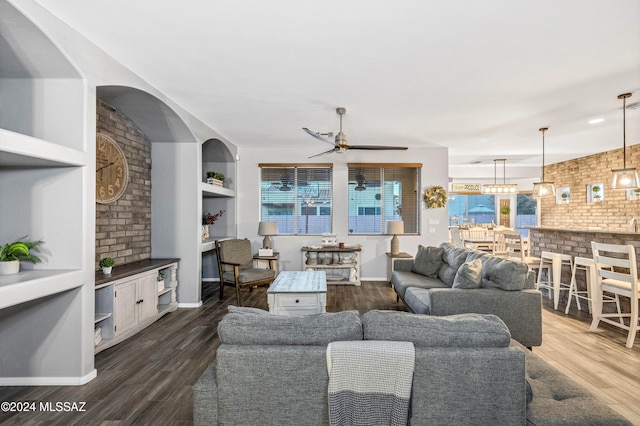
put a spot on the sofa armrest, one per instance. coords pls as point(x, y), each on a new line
point(520, 310)
point(205, 398)
point(403, 265)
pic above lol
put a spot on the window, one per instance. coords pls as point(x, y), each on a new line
point(381, 192)
point(471, 208)
point(298, 197)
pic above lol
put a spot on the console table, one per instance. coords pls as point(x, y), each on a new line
point(342, 265)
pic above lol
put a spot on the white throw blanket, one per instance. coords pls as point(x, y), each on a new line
point(370, 382)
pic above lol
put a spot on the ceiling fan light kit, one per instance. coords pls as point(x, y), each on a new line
point(624, 178)
point(543, 189)
point(500, 188)
point(340, 143)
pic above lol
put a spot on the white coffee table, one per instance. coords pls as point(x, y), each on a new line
point(298, 293)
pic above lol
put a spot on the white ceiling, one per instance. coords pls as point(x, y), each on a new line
point(478, 77)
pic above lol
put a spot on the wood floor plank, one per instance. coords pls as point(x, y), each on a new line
point(147, 379)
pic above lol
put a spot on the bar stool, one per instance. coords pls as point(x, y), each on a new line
point(588, 265)
point(555, 261)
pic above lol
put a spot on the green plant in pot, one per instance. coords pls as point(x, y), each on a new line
point(106, 264)
point(12, 253)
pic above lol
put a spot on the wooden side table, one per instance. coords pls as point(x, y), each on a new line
point(267, 262)
point(391, 260)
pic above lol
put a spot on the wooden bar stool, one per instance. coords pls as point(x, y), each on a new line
point(588, 265)
point(553, 281)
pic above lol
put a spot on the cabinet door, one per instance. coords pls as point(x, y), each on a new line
point(147, 297)
point(124, 306)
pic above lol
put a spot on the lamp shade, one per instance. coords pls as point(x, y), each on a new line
point(395, 227)
point(544, 189)
point(625, 179)
point(268, 228)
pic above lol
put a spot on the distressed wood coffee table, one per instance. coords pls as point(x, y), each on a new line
point(298, 293)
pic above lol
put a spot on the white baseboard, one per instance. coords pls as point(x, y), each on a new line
point(48, 381)
point(373, 279)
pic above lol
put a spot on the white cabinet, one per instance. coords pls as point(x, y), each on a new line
point(135, 301)
point(131, 299)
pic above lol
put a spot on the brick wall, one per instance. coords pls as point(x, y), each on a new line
point(123, 228)
point(613, 213)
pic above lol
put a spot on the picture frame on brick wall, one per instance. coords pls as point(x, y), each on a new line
point(633, 194)
point(563, 195)
point(595, 192)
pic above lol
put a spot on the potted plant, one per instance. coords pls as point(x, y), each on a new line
point(12, 253)
point(106, 264)
point(160, 278)
point(215, 178)
point(596, 192)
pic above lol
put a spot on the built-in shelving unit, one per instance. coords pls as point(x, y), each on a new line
point(216, 157)
point(46, 185)
point(129, 300)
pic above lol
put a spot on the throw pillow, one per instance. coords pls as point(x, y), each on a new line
point(428, 261)
point(469, 275)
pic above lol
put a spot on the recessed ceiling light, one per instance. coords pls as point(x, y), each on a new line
point(596, 121)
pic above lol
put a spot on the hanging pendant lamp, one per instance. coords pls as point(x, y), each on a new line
point(499, 188)
point(543, 189)
point(624, 178)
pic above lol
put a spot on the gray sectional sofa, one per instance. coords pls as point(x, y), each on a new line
point(272, 370)
point(449, 280)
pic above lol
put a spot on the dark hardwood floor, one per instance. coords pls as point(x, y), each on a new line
point(147, 379)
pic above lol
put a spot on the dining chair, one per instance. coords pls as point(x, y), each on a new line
point(516, 249)
point(617, 273)
point(499, 247)
point(456, 237)
point(235, 266)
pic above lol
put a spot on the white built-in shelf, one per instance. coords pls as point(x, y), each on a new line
point(101, 317)
point(214, 191)
point(210, 243)
point(18, 150)
point(36, 283)
point(166, 290)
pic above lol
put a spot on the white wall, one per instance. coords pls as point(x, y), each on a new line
point(374, 261)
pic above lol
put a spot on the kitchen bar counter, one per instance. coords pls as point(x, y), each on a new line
point(577, 242)
point(582, 231)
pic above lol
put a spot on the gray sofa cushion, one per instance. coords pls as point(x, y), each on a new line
point(417, 300)
point(469, 275)
point(465, 330)
point(428, 261)
point(505, 274)
point(319, 329)
point(402, 280)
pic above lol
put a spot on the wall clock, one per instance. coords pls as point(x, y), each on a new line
point(112, 171)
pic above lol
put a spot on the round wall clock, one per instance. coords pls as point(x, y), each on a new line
point(112, 171)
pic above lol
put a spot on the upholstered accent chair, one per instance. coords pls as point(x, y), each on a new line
point(235, 266)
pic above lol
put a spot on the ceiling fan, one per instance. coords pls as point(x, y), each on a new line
point(340, 144)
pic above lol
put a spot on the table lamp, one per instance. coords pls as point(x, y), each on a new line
point(266, 229)
point(395, 227)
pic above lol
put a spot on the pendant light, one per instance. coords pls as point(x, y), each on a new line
point(500, 188)
point(543, 189)
point(625, 178)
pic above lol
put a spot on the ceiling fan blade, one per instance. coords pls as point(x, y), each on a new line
point(323, 153)
point(319, 137)
point(377, 147)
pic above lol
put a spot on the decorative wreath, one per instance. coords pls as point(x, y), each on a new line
point(435, 197)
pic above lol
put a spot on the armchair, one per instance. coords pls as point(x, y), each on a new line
point(235, 266)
